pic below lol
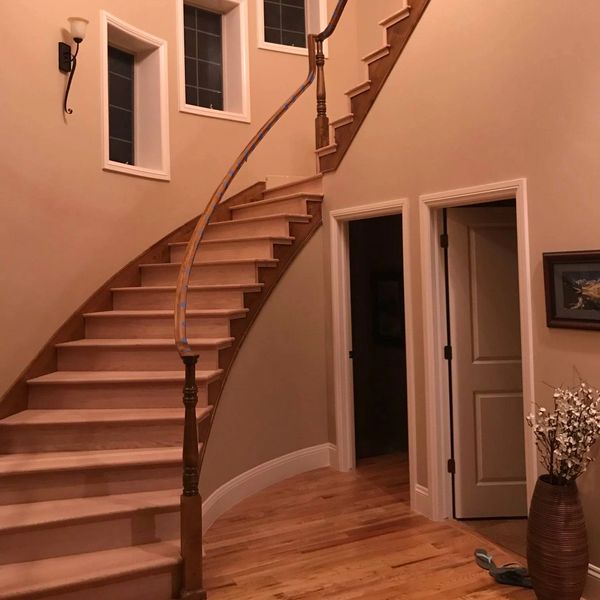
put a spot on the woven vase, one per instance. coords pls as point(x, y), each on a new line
point(557, 550)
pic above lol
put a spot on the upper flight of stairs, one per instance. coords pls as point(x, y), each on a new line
point(90, 471)
point(397, 29)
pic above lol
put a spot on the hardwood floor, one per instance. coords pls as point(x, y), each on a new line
point(343, 536)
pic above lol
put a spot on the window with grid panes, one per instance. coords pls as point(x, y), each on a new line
point(120, 105)
point(285, 22)
point(203, 44)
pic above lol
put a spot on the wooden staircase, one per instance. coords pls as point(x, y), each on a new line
point(90, 472)
point(397, 30)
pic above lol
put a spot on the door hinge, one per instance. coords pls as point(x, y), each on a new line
point(448, 352)
point(444, 241)
point(351, 354)
point(451, 466)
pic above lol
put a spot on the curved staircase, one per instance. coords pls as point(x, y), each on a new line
point(90, 472)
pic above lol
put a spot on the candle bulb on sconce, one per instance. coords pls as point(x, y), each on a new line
point(67, 60)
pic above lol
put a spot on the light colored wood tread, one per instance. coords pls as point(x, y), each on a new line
point(313, 197)
point(284, 186)
point(365, 86)
point(259, 262)
point(295, 218)
point(250, 287)
point(287, 240)
point(44, 577)
point(100, 415)
point(377, 54)
point(18, 517)
point(110, 377)
point(398, 16)
point(346, 120)
point(43, 462)
point(326, 150)
point(145, 343)
point(167, 314)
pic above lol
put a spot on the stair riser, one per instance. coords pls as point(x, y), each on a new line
point(153, 327)
point(295, 206)
point(226, 251)
point(202, 275)
point(89, 436)
point(165, 300)
point(55, 485)
point(276, 227)
point(102, 533)
point(140, 395)
point(161, 585)
point(130, 359)
point(306, 187)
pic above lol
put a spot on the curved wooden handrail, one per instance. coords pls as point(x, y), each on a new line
point(187, 263)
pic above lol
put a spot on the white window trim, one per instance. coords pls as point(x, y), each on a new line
point(244, 115)
point(260, 21)
point(164, 173)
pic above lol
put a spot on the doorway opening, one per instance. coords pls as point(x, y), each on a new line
point(484, 364)
point(378, 337)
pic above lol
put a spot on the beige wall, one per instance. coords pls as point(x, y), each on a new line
point(66, 225)
point(275, 399)
point(491, 91)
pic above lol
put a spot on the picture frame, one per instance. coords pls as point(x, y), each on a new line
point(572, 283)
point(388, 308)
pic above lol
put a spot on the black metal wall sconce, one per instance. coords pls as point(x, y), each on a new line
point(67, 61)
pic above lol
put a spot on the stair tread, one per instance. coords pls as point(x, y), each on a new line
point(57, 377)
point(276, 239)
point(295, 183)
point(145, 343)
point(238, 261)
point(312, 196)
point(39, 462)
point(383, 51)
point(24, 516)
point(21, 580)
point(300, 217)
point(399, 15)
point(99, 415)
point(207, 312)
point(208, 288)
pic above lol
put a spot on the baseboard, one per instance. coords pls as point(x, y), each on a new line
point(253, 481)
point(592, 590)
point(421, 501)
point(334, 461)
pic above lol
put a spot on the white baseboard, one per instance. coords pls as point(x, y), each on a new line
point(421, 502)
point(592, 590)
point(253, 481)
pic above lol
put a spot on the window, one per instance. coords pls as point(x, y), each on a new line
point(285, 22)
point(283, 25)
point(203, 46)
point(120, 105)
point(135, 101)
point(213, 48)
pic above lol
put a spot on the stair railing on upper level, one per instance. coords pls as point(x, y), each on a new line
point(191, 502)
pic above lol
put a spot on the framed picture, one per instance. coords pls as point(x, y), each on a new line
point(572, 289)
point(388, 308)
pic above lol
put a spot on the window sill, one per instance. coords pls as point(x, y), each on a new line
point(283, 48)
point(215, 114)
point(136, 171)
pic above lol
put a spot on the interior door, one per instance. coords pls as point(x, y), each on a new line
point(486, 364)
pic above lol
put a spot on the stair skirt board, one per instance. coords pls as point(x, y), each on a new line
point(263, 476)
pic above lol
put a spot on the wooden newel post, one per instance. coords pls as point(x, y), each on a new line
point(191, 501)
point(322, 122)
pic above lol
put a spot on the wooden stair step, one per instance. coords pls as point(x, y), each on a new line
point(277, 224)
point(346, 120)
point(296, 203)
point(396, 17)
point(41, 530)
point(104, 574)
point(377, 54)
point(110, 377)
point(361, 88)
point(312, 184)
point(325, 150)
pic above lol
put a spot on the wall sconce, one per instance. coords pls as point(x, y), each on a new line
point(67, 61)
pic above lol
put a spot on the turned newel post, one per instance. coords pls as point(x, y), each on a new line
point(322, 122)
point(191, 502)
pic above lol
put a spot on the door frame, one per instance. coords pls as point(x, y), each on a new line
point(434, 329)
point(343, 383)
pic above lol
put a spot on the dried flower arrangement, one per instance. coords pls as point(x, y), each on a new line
point(565, 436)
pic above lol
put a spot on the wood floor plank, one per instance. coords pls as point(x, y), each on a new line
point(345, 536)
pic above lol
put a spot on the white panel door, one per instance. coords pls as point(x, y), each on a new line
point(486, 365)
